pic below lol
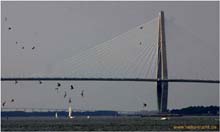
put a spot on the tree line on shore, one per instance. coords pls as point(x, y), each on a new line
point(192, 110)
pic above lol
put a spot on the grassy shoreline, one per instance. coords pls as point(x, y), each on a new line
point(196, 123)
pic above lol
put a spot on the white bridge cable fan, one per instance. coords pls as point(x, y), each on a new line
point(132, 54)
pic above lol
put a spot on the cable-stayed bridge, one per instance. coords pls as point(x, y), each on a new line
point(136, 55)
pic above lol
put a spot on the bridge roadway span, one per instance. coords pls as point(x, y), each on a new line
point(107, 79)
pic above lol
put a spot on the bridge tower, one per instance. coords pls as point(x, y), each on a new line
point(162, 72)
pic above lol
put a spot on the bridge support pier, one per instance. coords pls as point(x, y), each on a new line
point(162, 96)
point(162, 72)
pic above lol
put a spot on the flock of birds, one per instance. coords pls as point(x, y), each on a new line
point(58, 84)
point(12, 100)
point(16, 42)
point(4, 103)
point(56, 89)
point(40, 82)
point(65, 93)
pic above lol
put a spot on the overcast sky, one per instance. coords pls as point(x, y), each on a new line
point(61, 30)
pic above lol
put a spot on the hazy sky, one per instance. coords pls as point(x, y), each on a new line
point(60, 30)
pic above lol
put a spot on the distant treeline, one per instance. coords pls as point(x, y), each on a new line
point(192, 110)
point(61, 113)
point(197, 110)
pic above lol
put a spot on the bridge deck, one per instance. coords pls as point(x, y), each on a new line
point(108, 79)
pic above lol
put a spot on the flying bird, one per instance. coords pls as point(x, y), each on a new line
point(40, 82)
point(71, 87)
point(140, 43)
point(12, 100)
point(82, 93)
point(9, 28)
point(70, 100)
point(141, 27)
point(3, 104)
point(16, 42)
point(58, 84)
point(33, 48)
point(65, 95)
point(22, 47)
point(145, 105)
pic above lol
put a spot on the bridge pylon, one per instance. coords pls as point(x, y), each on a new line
point(162, 72)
